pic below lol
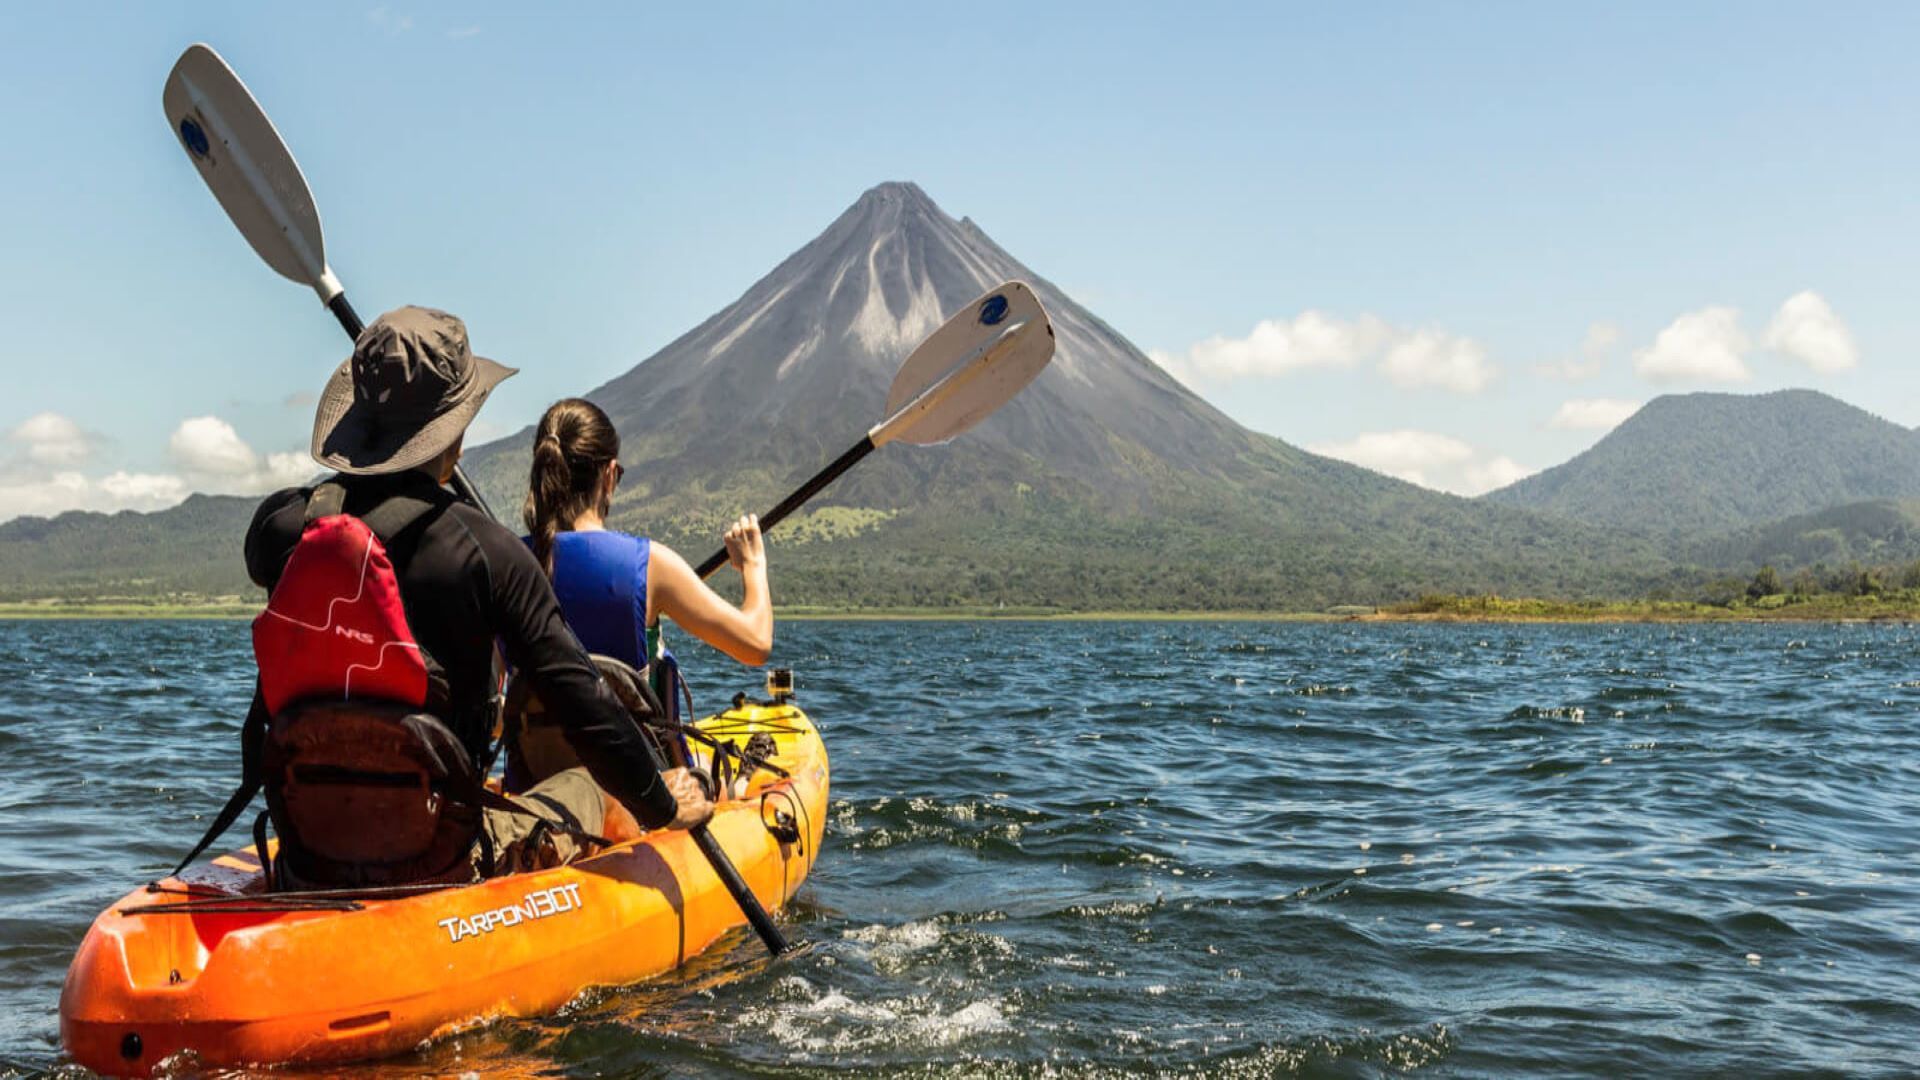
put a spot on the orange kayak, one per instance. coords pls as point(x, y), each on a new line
point(240, 977)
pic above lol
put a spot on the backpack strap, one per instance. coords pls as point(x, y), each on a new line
point(393, 516)
point(386, 520)
point(327, 500)
point(252, 732)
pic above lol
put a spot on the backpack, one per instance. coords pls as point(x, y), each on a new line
point(334, 626)
point(365, 786)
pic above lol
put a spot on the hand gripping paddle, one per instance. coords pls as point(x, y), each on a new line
point(968, 368)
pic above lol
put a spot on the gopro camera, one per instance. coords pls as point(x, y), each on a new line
point(780, 685)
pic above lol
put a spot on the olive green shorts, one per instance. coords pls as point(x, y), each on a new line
point(566, 803)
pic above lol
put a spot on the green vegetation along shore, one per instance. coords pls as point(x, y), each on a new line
point(1903, 606)
point(169, 607)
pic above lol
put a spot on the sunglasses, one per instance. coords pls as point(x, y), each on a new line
point(619, 473)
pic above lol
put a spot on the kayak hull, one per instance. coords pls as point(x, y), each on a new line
point(313, 986)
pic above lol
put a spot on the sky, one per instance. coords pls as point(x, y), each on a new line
point(1453, 242)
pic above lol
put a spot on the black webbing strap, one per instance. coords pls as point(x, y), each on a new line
point(251, 733)
point(230, 813)
point(392, 516)
point(386, 520)
point(260, 849)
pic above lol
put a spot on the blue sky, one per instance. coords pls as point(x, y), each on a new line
point(1450, 241)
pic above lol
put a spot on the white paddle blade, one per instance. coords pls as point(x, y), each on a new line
point(243, 159)
point(977, 362)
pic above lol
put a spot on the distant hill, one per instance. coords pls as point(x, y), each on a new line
point(1877, 533)
point(1688, 466)
point(192, 548)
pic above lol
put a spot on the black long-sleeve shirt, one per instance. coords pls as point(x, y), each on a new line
point(465, 581)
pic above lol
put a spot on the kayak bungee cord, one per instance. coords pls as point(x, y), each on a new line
point(349, 899)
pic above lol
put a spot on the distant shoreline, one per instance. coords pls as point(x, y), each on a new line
point(1467, 610)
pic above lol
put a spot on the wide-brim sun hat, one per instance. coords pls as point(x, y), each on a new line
point(407, 393)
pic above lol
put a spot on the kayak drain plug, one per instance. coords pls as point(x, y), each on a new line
point(130, 1046)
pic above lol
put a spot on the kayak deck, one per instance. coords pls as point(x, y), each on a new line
point(210, 963)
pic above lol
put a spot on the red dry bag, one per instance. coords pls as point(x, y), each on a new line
point(334, 627)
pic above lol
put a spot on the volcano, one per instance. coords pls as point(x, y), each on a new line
point(798, 367)
point(1106, 465)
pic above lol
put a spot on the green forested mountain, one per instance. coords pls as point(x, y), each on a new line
point(1877, 533)
point(1692, 465)
point(193, 548)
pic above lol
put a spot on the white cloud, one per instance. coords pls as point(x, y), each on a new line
point(51, 439)
point(1315, 339)
point(1807, 329)
point(1703, 346)
point(208, 446)
point(1280, 346)
point(1492, 474)
point(140, 491)
point(1593, 414)
point(1427, 458)
point(1596, 347)
point(215, 459)
point(69, 490)
point(1437, 358)
point(463, 33)
point(44, 477)
point(286, 468)
point(1600, 339)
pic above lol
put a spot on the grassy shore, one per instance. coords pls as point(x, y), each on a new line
point(1898, 606)
point(132, 608)
point(1895, 606)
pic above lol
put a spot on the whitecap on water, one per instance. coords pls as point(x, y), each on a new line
point(831, 1021)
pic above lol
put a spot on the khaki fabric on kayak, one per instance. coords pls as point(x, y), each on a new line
point(568, 803)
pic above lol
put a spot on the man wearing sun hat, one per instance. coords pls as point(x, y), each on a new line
point(390, 424)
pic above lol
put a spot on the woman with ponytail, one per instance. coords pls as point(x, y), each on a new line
point(614, 587)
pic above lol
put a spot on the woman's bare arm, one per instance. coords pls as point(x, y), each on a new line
point(745, 632)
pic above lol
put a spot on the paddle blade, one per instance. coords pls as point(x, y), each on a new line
point(247, 165)
point(974, 364)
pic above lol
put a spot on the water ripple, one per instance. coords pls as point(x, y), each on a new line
point(1175, 849)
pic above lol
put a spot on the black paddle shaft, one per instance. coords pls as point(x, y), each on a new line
point(794, 501)
point(723, 869)
point(350, 322)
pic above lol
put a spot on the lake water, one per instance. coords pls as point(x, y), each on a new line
point(1206, 849)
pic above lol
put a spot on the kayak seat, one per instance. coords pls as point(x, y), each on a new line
point(536, 746)
point(367, 793)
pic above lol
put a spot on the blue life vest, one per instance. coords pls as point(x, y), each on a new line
point(600, 579)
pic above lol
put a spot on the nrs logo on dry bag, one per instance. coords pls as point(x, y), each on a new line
point(334, 627)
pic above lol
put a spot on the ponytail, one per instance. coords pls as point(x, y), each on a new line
point(571, 449)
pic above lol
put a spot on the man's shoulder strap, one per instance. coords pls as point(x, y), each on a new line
point(388, 519)
point(327, 500)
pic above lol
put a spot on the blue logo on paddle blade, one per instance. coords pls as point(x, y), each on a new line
point(993, 311)
point(194, 136)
